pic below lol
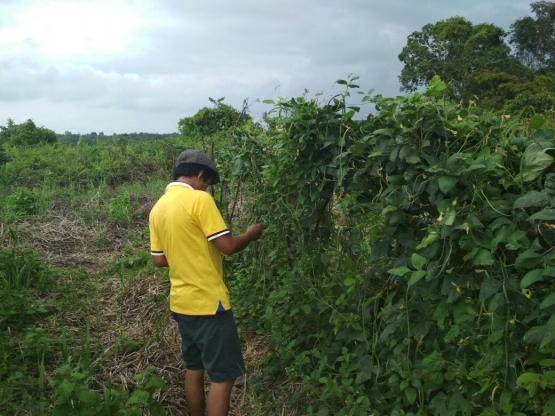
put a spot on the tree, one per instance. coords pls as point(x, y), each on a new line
point(209, 121)
point(538, 94)
point(533, 39)
point(25, 134)
point(457, 51)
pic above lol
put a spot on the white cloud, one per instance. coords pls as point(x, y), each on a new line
point(140, 65)
point(68, 29)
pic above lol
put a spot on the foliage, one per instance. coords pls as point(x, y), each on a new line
point(210, 121)
point(73, 396)
point(406, 265)
point(539, 95)
point(27, 286)
point(81, 168)
point(25, 134)
point(93, 138)
point(457, 51)
point(119, 209)
point(22, 204)
point(3, 156)
point(533, 38)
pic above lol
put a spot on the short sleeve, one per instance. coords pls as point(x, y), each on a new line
point(209, 218)
point(156, 248)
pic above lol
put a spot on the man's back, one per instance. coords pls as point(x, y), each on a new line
point(182, 224)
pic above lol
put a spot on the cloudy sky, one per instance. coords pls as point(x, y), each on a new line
point(141, 65)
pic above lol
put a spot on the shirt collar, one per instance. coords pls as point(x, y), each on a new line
point(186, 185)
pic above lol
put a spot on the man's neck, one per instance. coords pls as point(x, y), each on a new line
point(188, 181)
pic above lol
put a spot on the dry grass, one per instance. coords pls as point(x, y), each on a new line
point(67, 241)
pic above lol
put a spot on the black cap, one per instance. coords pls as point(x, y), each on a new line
point(198, 158)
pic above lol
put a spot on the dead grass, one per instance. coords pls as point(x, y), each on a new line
point(67, 241)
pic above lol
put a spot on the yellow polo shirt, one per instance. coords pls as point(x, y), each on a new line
point(182, 225)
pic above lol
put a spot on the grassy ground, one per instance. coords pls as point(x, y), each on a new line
point(97, 241)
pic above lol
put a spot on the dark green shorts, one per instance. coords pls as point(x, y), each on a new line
point(211, 342)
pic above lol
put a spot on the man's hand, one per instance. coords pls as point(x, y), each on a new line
point(231, 244)
point(254, 231)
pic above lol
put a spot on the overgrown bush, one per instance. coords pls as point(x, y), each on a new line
point(23, 203)
point(407, 262)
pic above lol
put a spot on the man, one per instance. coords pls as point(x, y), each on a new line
point(188, 235)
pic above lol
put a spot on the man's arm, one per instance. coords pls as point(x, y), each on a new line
point(230, 244)
point(160, 261)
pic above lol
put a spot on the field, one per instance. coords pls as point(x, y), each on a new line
point(406, 267)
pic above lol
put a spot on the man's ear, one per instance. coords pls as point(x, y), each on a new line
point(201, 176)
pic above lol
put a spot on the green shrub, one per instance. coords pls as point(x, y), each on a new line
point(23, 203)
point(407, 260)
point(120, 210)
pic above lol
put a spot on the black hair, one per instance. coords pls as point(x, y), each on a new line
point(192, 170)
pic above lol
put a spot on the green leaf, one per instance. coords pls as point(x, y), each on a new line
point(497, 301)
point(156, 409)
point(365, 368)
point(456, 163)
point(549, 408)
point(433, 363)
point(527, 260)
point(410, 395)
point(323, 411)
point(548, 336)
point(535, 334)
point(62, 410)
point(452, 333)
point(388, 209)
point(139, 397)
point(436, 86)
point(157, 382)
point(405, 152)
point(446, 183)
point(306, 309)
point(470, 255)
point(530, 382)
point(517, 240)
point(450, 217)
point(547, 214)
point(537, 122)
point(88, 397)
point(490, 286)
point(532, 199)
point(413, 159)
point(418, 261)
point(531, 277)
point(483, 258)
point(349, 281)
point(534, 165)
point(268, 101)
point(415, 277)
point(548, 301)
point(505, 401)
point(426, 241)
point(399, 271)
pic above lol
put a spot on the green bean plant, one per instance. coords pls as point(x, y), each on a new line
point(407, 263)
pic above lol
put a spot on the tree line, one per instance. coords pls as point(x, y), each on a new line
point(498, 69)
